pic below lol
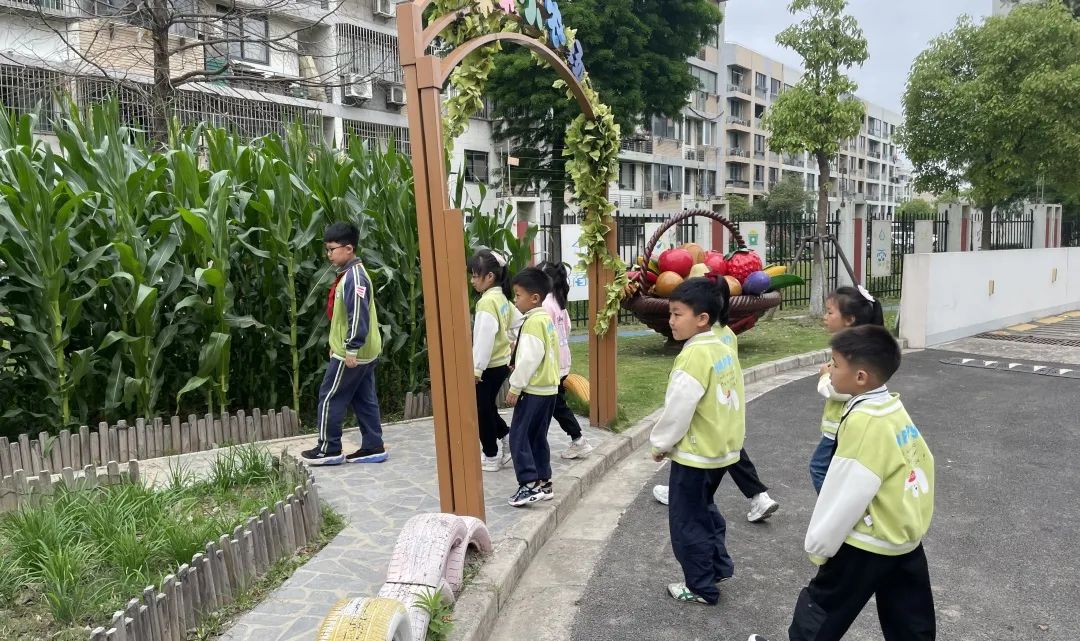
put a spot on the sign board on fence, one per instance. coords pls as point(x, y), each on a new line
point(571, 248)
point(924, 236)
point(880, 248)
point(667, 241)
point(754, 235)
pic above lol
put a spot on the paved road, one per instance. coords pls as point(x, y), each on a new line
point(1003, 548)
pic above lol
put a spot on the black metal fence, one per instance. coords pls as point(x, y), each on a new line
point(784, 237)
point(631, 240)
point(1011, 231)
point(1070, 233)
point(903, 242)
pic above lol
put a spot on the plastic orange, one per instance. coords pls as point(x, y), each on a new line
point(696, 252)
point(666, 283)
point(733, 285)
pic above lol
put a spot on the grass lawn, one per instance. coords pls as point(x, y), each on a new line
point(644, 362)
point(73, 559)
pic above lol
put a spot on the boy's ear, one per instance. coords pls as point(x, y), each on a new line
point(862, 377)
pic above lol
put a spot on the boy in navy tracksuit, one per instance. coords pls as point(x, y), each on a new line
point(355, 345)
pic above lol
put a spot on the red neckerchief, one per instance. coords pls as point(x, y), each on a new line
point(330, 297)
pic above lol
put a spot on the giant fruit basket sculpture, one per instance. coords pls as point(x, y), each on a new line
point(754, 290)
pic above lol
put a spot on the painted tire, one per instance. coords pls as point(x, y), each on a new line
point(423, 548)
point(577, 385)
point(476, 537)
point(367, 619)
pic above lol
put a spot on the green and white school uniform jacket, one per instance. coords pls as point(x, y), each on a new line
point(491, 326)
point(834, 406)
point(879, 493)
point(704, 419)
point(536, 359)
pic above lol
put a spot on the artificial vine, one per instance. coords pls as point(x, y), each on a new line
point(592, 145)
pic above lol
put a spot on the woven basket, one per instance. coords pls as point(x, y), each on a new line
point(653, 310)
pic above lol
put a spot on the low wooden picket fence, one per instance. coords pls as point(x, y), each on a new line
point(18, 489)
point(216, 576)
point(143, 440)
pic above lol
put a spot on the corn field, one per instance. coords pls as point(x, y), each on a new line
point(138, 281)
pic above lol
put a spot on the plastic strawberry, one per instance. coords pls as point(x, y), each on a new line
point(743, 262)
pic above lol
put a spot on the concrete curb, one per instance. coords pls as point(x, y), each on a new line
point(479, 604)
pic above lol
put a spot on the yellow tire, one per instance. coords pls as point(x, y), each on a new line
point(577, 385)
point(366, 619)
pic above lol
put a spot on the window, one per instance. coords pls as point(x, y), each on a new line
point(776, 85)
point(735, 108)
point(708, 133)
point(690, 125)
point(774, 175)
point(734, 172)
point(626, 175)
point(759, 143)
point(706, 78)
point(761, 80)
point(759, 173)
point(476, 166)
point(736, 76)
point(249, 35)
point(665, 128)
point(369, 53)
point(707, 187)
point(810, 182)
point(667, 178)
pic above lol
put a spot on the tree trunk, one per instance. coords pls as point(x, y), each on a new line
point(987, 232)
point(818, 273)
point(162, 93)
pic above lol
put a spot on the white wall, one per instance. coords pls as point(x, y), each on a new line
point(947, 295)
point(27, 36)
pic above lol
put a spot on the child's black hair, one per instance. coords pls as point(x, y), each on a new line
point(871, 347)
point(484, 262)
point(343, 234)
point(852, 303)
point(534, 281)
point(704, 296)
point(560, 281)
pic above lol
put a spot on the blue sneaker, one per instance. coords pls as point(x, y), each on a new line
point(368, 455)
point(315, 457)
point(526, 494)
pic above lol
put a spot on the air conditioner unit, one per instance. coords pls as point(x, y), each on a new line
point(383, 8)
point(358, 88)
point(395, 95)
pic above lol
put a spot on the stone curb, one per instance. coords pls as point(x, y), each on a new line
point(478, 607)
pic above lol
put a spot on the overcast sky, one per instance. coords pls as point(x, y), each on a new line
point(897, 31)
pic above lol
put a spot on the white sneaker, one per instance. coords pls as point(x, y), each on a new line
point(504, 450)
point(578, 449)
point(491, 464)
point(761, 508)
point(660, 493)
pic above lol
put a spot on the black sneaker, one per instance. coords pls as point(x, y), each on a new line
point(368, 455)
point(756, 637)
point(525, 495)
point(315, 457)
point(547, 492)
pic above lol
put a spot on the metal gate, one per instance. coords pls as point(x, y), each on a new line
point(903, 242)
point(784, 236)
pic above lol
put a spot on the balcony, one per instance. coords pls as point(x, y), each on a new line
point(733, 88)
point(762, 92)
point(738, 153)
point(735, 183)
point(58, 8)
point(735, 120)
point(636, 145)
point(694, 153)
point(875, 154)
point(759, 123)
point(759, 155)
point(794, 162)
point(632, 201)
point(759, 185)
point(874, 175)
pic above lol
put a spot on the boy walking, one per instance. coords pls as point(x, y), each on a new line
point(701, 430)
point(874, 508)
point(355, 345)
point(533, 386)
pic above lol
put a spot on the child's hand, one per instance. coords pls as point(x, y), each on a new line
point(824, 369)
point(659, 456)
point(511, 399)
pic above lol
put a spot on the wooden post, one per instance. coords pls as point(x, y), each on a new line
point(603, 377)
point(442, 264)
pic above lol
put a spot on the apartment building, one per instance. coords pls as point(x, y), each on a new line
point(331, 65)
point(866, 169)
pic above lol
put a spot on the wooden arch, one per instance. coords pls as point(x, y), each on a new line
point(442, 259)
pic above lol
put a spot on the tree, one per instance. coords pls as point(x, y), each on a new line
point(820, 110)
point(992, 107)
point(154, 47)
point(636, 55)
point(738, 207)
point(788, 198)
point(1073, 5)
point(917, 209)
